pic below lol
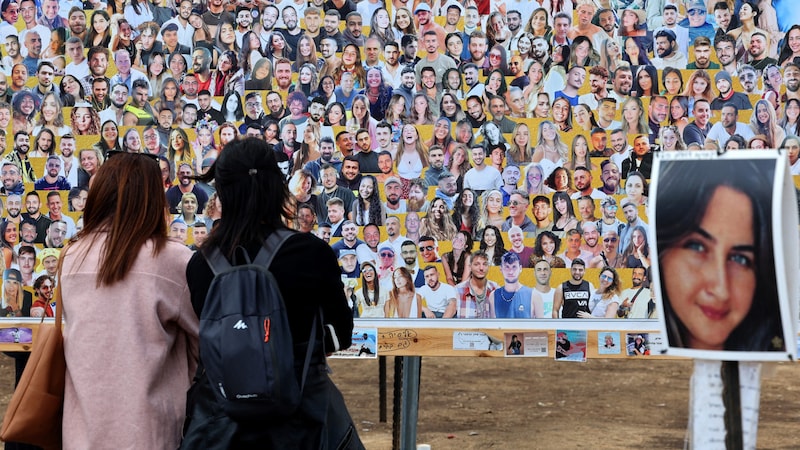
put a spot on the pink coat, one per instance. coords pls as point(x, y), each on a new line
point(131, 350)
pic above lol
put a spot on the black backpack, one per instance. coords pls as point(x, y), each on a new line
point(246, 343)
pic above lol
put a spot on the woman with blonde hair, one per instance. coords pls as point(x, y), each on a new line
point(178, 148)
point(611, 54)
point(670, 138)
point(491, 211)
point(550, 152)
point(302, 185)
point(459, 164)
point(634, 119)
point(438, 223)
point(309, 147)
point(535, 180)
point(187, 209)
point(763, 121)
point(519, 152)
point(580, 154)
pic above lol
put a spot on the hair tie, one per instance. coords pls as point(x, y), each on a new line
point(252, 171)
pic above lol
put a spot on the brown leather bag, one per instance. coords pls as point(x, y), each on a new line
point(35, 411)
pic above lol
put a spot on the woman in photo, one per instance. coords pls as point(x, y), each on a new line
point(367, 207)
point(645, 82)
point(550, 152)
point(411, 157)
point(44, 145)
point(24, 106)
point(178, 149)
point(535, 181)
point(546, 248)
point(378, 93)
point(492, 137)
point(611, 55)
point(562, 114)
point(381, 27)
point(9, 234)
point(637, 254)
point(250, 53)
point(403, 24)
point(403, 301)
point(679, 112)
point(90, 160)
point(715, 252)
point(580, 154)
point(456, 263)
point(791, 117)
point(228, 77)
point(491, 210)
point(564, 218)
point(670, 139)
point(187, 210)
point(634, 119)
point(636, 188)
point(111, 258)
point(763, 122)
point(791, 46)
point(604, 302)
point(672, 80)
point(421, 113)
point(50, 116)
point(370, 298)
point(698, 86)
point(493, 245)
point(634, 52)
point(99, 34)
point(131, 141)
point(582, 53)
point(539, 24)
point(466, 211)
point(176, 63)
point(109, 137)
point(519, 152)
point(583, 118)
point(307, 80)
point(85, 120)
point(261, 77)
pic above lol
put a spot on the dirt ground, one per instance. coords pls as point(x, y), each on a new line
point(504, 403)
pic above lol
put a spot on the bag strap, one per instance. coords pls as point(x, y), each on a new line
point(271, 246)
point(310, 350)
point(637, 293)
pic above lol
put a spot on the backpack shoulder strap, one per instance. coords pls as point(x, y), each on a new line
point(271, 246)
point(216, 260)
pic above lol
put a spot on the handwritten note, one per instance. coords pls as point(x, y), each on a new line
point(707, 411)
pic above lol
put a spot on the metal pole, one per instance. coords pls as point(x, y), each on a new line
point(731, 398)
point(396, 406)
point(382, 388)
point(412, 366)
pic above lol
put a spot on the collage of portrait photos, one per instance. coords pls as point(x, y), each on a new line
point(464, 159)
